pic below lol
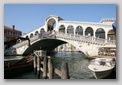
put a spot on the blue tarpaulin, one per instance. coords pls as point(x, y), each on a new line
point(114, 25)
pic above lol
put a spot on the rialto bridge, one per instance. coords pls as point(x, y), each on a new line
point(87, 37)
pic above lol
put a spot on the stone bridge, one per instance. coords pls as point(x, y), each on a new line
point(86, 37)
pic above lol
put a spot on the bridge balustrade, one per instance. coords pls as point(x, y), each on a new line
point(21, 43)
point(34, 38)
point(79, 38)
point(111, 42)
point(88, 39)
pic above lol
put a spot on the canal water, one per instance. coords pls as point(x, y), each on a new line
point(77, 63)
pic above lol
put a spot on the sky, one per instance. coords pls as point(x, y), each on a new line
point(27, 17)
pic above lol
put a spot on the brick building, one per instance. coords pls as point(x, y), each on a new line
point(10, 33)
point(10, 36)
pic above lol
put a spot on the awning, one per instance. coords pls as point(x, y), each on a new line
point(114, 25)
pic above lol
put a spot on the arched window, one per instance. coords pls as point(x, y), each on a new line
point(79, 30)
point(36, 33)
point(89, 31)
point(111, 34)
point(100, 33)
point(62, 29)
point(70, 29)
point(31, 35)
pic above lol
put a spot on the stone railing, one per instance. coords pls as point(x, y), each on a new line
point(79, 38)
point(25, 42)
point(45, 35)
point(88, 39)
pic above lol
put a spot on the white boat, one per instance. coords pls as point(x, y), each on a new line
point(102, 67)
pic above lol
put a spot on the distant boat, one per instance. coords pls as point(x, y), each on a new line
point(102, 67)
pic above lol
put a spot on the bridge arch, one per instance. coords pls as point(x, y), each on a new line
point(79, 30)
point(89, 31)
point(31, 35)
point(70, 29)
point(111, 35)
point(36, 33)
point(42, 30)
point(27, 36)
point(44, 45)
point(100, 33)
point(51, 23)
point(62, 28)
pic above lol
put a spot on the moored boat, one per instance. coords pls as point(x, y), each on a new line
point(102, 67)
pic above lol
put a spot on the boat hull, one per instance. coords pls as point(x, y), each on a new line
point(102, 67)
point(102, 74)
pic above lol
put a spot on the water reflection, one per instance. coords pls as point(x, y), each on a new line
point(77, 63)
point(8, 58)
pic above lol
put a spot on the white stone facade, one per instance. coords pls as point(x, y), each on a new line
point(102, 29)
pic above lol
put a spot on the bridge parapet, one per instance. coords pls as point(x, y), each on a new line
point(45, 35)
point(88, 39)
point(79, 38)
point(21, 44)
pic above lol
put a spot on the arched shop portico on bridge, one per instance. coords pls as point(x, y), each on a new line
point(100, 30)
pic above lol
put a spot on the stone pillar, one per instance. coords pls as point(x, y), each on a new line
point(66, 30)
point(74, 31)
point(83, 32)
point(94, 31)
point(106, 35)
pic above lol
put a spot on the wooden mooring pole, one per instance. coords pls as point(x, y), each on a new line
point(64, 71)
point(35, 64)
point(38, 67)
point(50, 68)
point(45, 67)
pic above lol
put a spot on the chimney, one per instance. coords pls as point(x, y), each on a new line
point(13, 26)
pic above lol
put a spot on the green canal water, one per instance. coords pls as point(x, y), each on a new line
point(77, 64)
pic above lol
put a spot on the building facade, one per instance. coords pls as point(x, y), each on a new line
point(10, 33)
point(10, 36)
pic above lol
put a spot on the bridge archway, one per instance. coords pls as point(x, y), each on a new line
point(79, 30)
point(42, 30)
point(51, 24)
point(70, 29)
point(100, 33)
point(27, 36)
point(44, 45)
point(111, 35)
point(36, 33)
point(31, 35)
point(62, 28)
point(89, 31)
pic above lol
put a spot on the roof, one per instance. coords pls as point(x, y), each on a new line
point(10, 29)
